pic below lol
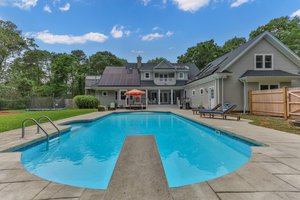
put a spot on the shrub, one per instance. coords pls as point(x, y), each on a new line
point(83, 101)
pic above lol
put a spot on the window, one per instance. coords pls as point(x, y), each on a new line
point(181, 75)
point(201, 91)
point(123, 96)
point(104, 93)
point(269, 86)
point(156, 75)
point(116, 95)
point(147, 75)
point(263, 61)
point(259, 62)
point(193, 92)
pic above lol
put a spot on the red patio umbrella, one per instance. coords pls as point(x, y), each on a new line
point(134, 93)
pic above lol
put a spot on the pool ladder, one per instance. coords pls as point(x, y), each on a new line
point(37, 122)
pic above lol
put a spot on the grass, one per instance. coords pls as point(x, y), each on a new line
point(272, 122)
point(14, 121)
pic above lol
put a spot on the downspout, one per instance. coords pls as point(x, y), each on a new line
point(245, 97)
point(222, 93)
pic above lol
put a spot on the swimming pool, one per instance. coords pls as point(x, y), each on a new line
point(86, 155)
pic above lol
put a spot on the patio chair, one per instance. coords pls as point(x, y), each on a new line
point(112, 106)
point(198, 111)
point(223, 114)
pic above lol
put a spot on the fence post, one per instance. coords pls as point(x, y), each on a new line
point(285, 105)
point(250, 101)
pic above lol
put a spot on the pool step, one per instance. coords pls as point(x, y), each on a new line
point(139, 173)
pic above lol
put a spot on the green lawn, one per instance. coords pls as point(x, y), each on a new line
point(273, 123)
point(14, 121)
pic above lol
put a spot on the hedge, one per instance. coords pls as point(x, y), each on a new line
point(87, 101)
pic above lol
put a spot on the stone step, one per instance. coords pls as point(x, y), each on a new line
point(139, 173)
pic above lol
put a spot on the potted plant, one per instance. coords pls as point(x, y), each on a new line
point(101, 108)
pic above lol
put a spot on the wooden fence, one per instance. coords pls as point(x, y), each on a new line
point(284, 102)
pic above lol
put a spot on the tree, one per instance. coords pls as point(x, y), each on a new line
point(286, 29)
point(100, 60)
point(201, 54)
point(233, 43)
point(34, 65)
point(157, 60)
point(12, 44)
point(61, 66)
point(81, 69)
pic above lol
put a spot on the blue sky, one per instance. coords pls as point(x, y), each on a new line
point(127, 28)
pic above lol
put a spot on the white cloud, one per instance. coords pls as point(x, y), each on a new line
point(155, 36)
point(152, 36)
point(137, 51)
point(237, 3)
point(49, 38)
point(155, 28)
point(295, 14)
point(191, 5)
point(119, 31)
point(47, 8)
point(169, 33)
point(65, 8)
point(22, 4)
point(145, 2)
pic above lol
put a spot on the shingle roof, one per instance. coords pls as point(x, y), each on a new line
point(91, 81)
point(267, 73)
point(219, 64)
point(120, 76)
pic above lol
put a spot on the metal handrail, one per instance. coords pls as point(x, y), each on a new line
point(45, 117)
point(38, 125)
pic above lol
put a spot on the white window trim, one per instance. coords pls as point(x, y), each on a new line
point(264, 55)
point(268, 85)
point(103, 93)
point(202, 89)
point(180, 78)
point(193, 92)
point(145, 75)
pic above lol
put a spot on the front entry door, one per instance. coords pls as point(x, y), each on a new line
point(212, 97)
point(165, 97)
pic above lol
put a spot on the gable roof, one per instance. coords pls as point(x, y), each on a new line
point(164, 65)
point(120, 76)
point(222, 63)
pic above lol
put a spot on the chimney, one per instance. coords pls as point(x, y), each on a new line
point(139, 62)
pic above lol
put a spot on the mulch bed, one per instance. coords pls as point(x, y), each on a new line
point(7, 113)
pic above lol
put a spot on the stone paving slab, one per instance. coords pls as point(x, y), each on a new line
point(139, 173)
point(277, 168)
point(262, 180)
point(231, 183)
point(293, 180)
point(22, 190)
point(258, 196)
point(194, 192)
point(292, 162)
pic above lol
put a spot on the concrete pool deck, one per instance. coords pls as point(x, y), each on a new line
point(272, 173)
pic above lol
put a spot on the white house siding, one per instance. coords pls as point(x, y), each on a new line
point(106, 100)
point(198, 99)
point(146, 79)
point(233, 87)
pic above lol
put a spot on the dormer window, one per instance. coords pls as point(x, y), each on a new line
point(263, 61)
point(147, 75)
point(180, 75)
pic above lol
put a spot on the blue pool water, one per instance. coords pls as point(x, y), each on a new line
point(86, 155)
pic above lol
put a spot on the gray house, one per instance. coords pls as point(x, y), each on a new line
point(163, 83)
point(261, 64)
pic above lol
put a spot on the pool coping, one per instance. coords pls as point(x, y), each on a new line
point(261, 155)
